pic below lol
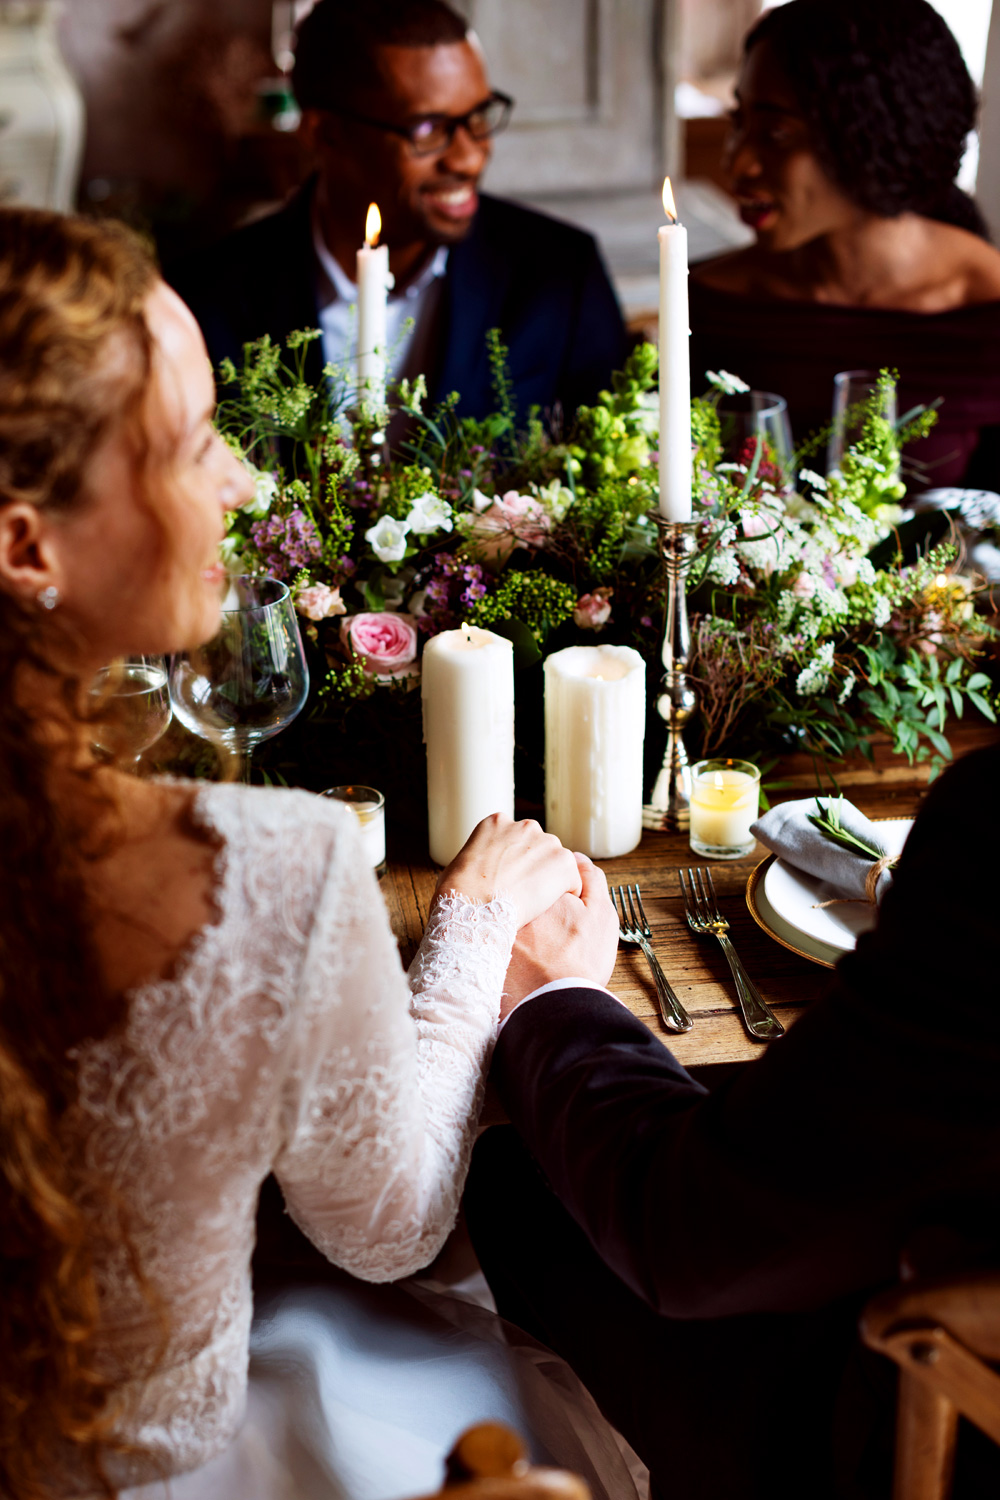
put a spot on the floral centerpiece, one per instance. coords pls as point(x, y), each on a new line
point(809, 625)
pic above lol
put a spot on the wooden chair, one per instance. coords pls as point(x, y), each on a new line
point(943, 1334)
point(488, 1463)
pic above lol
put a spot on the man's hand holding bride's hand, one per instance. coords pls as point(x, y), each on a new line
point(576, 938)
point(518, 860)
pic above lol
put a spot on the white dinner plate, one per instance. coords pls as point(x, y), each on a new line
point(787, 903)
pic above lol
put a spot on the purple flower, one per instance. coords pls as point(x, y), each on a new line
point(286, 543)
point(829, 572)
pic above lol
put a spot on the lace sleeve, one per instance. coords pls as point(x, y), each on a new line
point(383, 1098)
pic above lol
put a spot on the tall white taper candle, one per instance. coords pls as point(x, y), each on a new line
point(675, 370)
point(467, 683)
point(374, 280)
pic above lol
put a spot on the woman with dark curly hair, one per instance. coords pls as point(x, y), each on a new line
point(849, 128)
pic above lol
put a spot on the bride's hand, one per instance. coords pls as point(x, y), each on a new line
point(518, 860)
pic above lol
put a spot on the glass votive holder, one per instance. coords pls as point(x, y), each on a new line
point(725, 795)
point(369, 809)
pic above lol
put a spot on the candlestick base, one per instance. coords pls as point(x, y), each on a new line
point(669, 807)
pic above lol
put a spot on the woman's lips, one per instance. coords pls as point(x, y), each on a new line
point(214, 574)
point(759, 213)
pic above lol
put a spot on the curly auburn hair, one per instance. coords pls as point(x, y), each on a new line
point(888, 99)
point(75, 357)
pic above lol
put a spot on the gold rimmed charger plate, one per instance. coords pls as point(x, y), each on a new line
point(783, 931)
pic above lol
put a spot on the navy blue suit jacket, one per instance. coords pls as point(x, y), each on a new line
point(541, 282)
point(798, 1181)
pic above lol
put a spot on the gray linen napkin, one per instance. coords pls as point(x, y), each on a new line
point(786, 829)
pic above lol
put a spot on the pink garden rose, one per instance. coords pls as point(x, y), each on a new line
point(593, 610)
point(506, 522)
point(384, 643)
point(319, 602)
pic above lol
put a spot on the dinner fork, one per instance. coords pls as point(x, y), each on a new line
point(635, 930)
point(701, 907)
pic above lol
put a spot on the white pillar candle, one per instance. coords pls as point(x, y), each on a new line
point(724, 799)
point(468, 702)
point(675, 368)
point(374, 280)
point(595, 723)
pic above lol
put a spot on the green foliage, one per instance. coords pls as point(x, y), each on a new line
point(539, 601)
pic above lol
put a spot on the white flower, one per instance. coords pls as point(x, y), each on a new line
point(814, 678)
point(729, 385)
point(847, 689)
point(866, 570)
point(810, 477)
point(265, 487)
point(724, 567)
point(557, 498)
point(429, 513)
point(230, 551)
point(387, 539)
point(881, 612)
point(648, 414)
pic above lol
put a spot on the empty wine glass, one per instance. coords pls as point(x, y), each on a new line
point(751, 418)
point(250, 680)
point(852, 390)
point(131, 707)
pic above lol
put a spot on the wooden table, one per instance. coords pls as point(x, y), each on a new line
point(696, 967)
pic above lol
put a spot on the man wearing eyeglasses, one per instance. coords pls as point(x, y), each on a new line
point(399, 111)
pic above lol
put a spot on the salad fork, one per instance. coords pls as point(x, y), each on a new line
point(701, 907)
point(635, 930)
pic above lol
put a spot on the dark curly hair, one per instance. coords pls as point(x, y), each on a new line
point(888, 99)
point(334, 51)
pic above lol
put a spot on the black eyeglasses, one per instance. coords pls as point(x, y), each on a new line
point(431, 134)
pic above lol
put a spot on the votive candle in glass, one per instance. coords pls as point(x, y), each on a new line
point(368, 807)
point(725, 795)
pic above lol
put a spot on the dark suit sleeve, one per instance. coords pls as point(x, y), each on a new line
point(800, 1179)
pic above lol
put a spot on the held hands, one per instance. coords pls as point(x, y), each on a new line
point(576, 938)
point(517, 859)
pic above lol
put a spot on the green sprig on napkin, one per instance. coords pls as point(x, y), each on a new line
point(829, 823)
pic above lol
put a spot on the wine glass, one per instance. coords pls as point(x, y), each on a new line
point(251, 679)
point(745, 418)
point(131, 707)
point(851, 392)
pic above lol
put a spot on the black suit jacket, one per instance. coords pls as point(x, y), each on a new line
point(541, 282)
point(800, 1179)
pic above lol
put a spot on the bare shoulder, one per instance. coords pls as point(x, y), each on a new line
point(737, 271)
point(966, 267)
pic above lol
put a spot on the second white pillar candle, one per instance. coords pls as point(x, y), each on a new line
point(468, 702)
point(595, 723)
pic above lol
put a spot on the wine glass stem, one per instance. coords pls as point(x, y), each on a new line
point(245, 759)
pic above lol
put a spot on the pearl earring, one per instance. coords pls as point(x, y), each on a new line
point(48, 598)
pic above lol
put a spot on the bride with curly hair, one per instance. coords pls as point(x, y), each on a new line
point(198, 983)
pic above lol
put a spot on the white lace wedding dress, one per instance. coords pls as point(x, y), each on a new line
point(287, 1040)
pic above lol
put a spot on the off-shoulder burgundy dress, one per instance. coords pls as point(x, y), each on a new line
point(796, 348)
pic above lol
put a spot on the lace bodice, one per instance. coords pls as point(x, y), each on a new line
point(287, 1040)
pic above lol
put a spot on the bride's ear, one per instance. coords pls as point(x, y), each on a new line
point(29, 562)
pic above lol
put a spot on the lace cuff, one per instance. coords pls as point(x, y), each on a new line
point(463, 958)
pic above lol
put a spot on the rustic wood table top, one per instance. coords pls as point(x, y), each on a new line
point(696, 967)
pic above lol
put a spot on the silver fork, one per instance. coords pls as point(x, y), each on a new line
point(701, 907)
point(633, 929)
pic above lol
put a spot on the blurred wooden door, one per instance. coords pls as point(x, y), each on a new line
point(593, 84)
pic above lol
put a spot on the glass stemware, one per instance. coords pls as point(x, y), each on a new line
point(748, 416)
point(131, 707)
point(251, 679)
point(851, 392)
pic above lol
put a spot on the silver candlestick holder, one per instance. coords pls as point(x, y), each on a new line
point(669, 806)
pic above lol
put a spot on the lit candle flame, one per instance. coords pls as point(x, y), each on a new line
point(719, 783)
point(669, 206)
point(373, 225)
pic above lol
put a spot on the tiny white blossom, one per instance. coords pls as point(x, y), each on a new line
point(810, 477)
point(557, 499)
point(429, 513)
point(866, 570)
point(814, 677)
point(847, 689)
point(265, 487)
point(387, 539)
point(881, 612)
point(729, 385)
